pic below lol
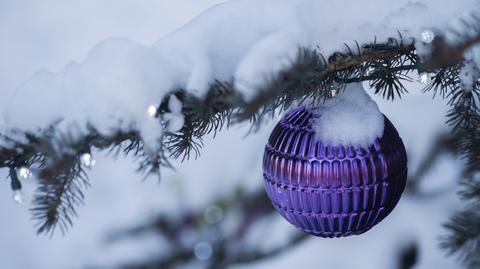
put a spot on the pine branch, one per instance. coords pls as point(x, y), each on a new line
point(247, 209)
point(471, 191)
point(460, 84)
point(60, 190)
point(464, 238)
point(310, 78)
point(61, 177)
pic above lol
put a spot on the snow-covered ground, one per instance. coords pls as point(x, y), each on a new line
point(50, 34)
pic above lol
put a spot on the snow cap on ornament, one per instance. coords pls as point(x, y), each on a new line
point(337, 169)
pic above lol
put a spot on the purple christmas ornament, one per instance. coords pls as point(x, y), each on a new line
point(332, 191)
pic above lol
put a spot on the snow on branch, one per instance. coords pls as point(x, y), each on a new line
point(230, 64)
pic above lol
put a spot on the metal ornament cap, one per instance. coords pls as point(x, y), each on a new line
point(332, 191)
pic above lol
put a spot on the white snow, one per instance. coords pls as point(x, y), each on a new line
point(110, 90)
point(349, 118)
point(175, 117)
point(470, 72)
point(248, 41)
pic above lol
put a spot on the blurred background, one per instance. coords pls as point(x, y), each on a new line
point(210, 212)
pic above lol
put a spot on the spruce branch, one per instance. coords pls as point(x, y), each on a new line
point(464, 237)
point(471, 191)
point(310, 78)
point(247, 209)
point(60, 190)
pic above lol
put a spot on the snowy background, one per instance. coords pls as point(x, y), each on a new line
point(50, 34)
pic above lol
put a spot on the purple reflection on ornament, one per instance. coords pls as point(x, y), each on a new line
point(332, 191)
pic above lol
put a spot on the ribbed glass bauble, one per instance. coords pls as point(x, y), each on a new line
point(332, 191)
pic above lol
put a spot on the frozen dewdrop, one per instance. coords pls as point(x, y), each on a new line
point(203, 251)
point(424, 78)
point(427, 36)
point(87, 160)
point(18, 196)
point(333, 93)
point(24, 172)
point(152, 111)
